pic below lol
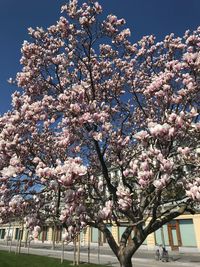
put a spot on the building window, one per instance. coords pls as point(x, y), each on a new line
point(16, 233)
point(161, 236)
point(58, 233)
point(44, 233)
point(187, 233)
point(2, 233)
point(94, 235)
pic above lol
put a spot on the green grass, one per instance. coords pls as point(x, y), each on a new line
point(23, 260)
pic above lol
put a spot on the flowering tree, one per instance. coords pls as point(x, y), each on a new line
point(93, 103)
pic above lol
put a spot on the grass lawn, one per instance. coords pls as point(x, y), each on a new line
point(23, 260)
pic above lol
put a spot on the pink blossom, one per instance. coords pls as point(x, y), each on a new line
point(184, 151)
point(97, 136)
point(8, 171)
point(106, 212)
point(141, 135)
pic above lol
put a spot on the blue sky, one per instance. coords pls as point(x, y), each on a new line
point(158, 17)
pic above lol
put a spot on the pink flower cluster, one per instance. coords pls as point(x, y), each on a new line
point(124, 198)
point(194, 189)
point(106, 212)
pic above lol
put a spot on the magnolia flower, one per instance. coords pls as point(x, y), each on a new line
point(133, 167)
point(124, 204)
point(158, 130)
point(167, 165)
point(158, 184)
point(144, 166)
point(100, 185)
point(16, 201)
point(9, 171)
point(184, 151)
point(124, 198)
point(66, 179)
point(141, 135)
point(106, 212)
point(126, 172)
point(193, 112)
point(97, 136)
point(172, 117)
point(97, 7)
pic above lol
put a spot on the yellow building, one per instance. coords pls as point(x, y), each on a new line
point(183, 234)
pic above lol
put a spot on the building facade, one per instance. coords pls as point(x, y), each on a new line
point(183, 234)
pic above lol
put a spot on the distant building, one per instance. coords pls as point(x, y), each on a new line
point(183, 234)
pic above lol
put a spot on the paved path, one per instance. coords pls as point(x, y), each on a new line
point(106, 257)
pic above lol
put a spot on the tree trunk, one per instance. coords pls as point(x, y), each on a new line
point(53, 237)
point(125, 261)
point(75, 251)
point(89, 237)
